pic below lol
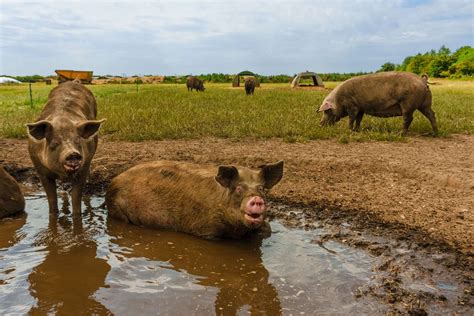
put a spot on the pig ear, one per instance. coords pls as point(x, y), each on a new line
point(89, 128)
point(271, 174)
point(227, 175)
point(326, 106)
point(39, 130)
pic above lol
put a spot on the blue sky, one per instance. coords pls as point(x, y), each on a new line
point(267, 37)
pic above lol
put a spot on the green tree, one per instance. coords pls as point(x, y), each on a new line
point(441, 65)
point(388, 67)
point(443, 50)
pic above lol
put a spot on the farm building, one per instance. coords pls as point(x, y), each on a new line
point(245, 73)
point(69, 75)
point(316, 79)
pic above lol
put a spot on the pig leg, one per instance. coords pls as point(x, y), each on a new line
point(50, 189)
point(407, 118)
point(76, 192)
point(353, 114)
point(430, 115)
point(358, 120)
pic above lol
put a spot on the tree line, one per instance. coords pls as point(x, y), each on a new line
point(282, 78)
point(439, 64)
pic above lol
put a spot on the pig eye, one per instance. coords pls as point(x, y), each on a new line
point(239, 189)
point(260, 189)
point(54, 144)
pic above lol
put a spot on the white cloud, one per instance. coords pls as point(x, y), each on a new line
point(203, 36)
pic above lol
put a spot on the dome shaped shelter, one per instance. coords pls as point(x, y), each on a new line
point(245, 73)
point(317, 81)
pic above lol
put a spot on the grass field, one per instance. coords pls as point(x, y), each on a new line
point(168, 111)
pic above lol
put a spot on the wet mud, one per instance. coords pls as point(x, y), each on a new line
point(412, 274)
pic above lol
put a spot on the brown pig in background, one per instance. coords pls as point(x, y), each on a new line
point(205, 201)
point(249, 85)
point(64, 139)
point(383, 94)
point(194, 83)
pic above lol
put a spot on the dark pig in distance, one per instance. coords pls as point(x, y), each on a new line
point(64, 139)
point(249, 85)
point(194, 83)
point(11, 197)
point(205, 201)
point(383, 94)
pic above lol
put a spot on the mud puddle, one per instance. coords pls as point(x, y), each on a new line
point(95, 265)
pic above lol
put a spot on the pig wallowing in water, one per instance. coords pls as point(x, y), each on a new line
point(383, 94)
point(206, 201)
point(64, 139)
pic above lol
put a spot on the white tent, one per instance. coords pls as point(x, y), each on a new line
point(8, 80)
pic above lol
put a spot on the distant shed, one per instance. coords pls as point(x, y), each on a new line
point(317, 81)
point(245, 73)
point(69, 75)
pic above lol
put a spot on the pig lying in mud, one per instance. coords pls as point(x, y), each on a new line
point(249, 85)
point(64, 139)
point(11, 198)
point(205, 201)
point(383, 94)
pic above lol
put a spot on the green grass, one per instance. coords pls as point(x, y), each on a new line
point(168, 111)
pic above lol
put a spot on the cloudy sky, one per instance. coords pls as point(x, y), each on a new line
point(268, 37)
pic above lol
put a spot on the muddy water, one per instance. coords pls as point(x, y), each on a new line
point(67, 265)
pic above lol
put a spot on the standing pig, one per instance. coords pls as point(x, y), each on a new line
point(205, 201)
point(383, 94)
point(64, 139)
point(11, 198)
point(194, 83)
point(249, 85)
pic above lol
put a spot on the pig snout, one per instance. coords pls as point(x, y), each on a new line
point(73, 162)
point(255, 211)
point(327, 119)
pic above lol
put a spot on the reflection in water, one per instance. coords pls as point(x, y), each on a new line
point(70, 274)
point(233, 269)
point(53, 268)
point(70, 265)
point(10, 233)
point(18, 256)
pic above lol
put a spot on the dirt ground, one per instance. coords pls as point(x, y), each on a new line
point(419, 193)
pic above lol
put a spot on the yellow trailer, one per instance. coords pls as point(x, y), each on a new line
point(68, 75)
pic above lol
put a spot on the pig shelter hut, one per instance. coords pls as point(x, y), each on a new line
point(69, 75)
point(245, 73)
point(317, 81)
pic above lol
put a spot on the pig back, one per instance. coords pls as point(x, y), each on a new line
point(169, 195)
point(383, 94)
point(71, 99)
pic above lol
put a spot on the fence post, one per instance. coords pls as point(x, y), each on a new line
point(31, 97)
